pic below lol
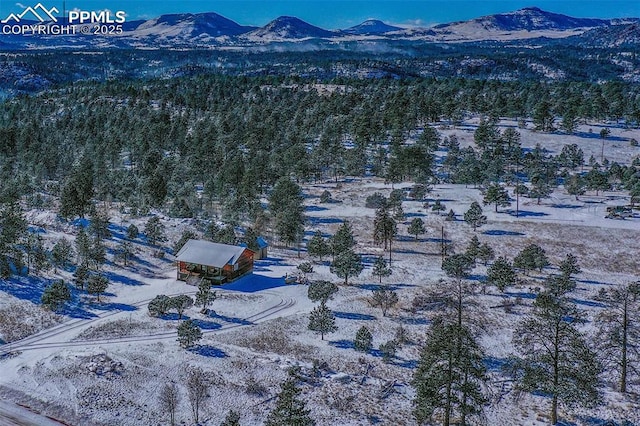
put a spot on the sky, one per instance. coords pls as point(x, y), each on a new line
point(334, 14)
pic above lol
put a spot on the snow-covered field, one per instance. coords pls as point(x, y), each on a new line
point(106, 363)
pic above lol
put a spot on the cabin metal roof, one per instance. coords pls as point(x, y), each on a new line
point(210, 254)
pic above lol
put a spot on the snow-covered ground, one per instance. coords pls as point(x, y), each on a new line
point(106, 363)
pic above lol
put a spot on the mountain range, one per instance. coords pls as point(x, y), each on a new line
point(211, 30)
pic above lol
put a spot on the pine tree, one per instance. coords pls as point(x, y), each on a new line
point(124, 251)
point(501, 274)
point(80, 276)
point(287, 208)
point(181, 303)
point(473, 249)
point(318, 246)
point(569, 266)
point(343, 239)
point(55, 295)
point(575, 186)
point(77, 190)
point(474, 216)
point(61, 253)
point(497, 195)
point(380, 268)
point(154, 230)
point(83, 248)
point(388, 350)
point(132, 232)
point(188, 333)
point(347, 265)
point(159, 306)
point(457, 266)
point(205, 296)
point(485, 253)
point(232, 419)
point(290, 410)
point(556, 359)
point(99, 225)
point(186, 236)
point(364, 340)
point(618, 337)
point(321, 291)
point(97, 284)
point(450, 376)
point(384, 227)
point(530, 258)
point(438, 207)
point(384, 298)
point(322, 320)
point(417, 227)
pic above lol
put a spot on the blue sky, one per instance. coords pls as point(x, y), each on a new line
point(334, 14)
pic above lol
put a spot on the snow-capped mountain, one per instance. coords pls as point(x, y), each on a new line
point(287, 28)
point(528, 19)
point(186, 28)
point(530, 22)
point(371, 27)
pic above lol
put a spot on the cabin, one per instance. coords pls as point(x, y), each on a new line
point(201, 260)
point(262, 250)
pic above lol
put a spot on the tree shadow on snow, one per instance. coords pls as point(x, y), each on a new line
point(231, 320)
point(208, 351)
point(112, 307)
point(341, 344)
point(323, 220)
point(122, 279)
point(500, 232)
point(207, 325)
point(525, 213)
point(353, 316)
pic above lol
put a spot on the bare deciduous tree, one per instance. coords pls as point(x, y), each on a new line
point(169, 400)
point(197, 390)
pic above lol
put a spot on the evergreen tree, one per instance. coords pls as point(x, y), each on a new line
point(132, 232)
point(496, 195)
point(318, 246)
point(450, 376)
point(618, 337)
point(290, 410)
point(485, 253)
point(83, 247)
point(384, 228)
point(124, 251)
point(501, 274)
point(97, 253)
point(575, 186)
point(384, 298)
point(322, 320)
point(438, 207)
point(457, 266)
point(77, 191)
point(181, 303)
point(380, 268)
point(80, 276)
point(347, 265)
point(388, 350)
point(99, 225)
point(542, 116)
point(97, 284)
point(205, 296)
point(569, 266)
point(287, 208)
point(188, 333)
point(571, 156)
point(556, 359)
point(474, 216)
point(232, 419)
point(55, 295)
point(417, 227)
point(61, 253)
point(473, 249)
point(530, 258)
point(540, 187)
point(186, 236)
point(154, 230)
point(159, 306)
point(343, 239)
point(321, 291)
point(364, 340)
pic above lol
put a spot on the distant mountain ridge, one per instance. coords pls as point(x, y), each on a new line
point(210, 30)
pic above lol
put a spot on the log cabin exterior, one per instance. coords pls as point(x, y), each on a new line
point(217, 263)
